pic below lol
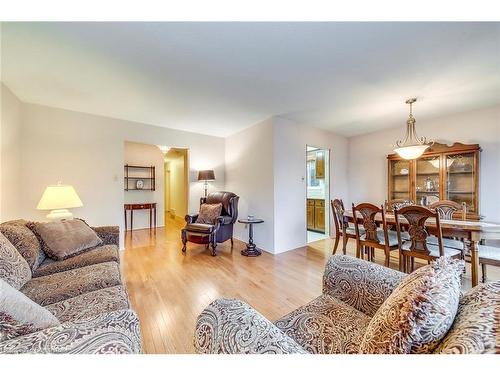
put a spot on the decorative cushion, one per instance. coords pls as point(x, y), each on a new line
point(25, 241)
point(391, 235)
point(209, 213)
point(19, 315)
point(66, 238)
point(434, 250)
point(13, 267)
point(418, 313)
point(90, 304)
point(447, 242)
point(476, 327)
point(326, 325)
point(46, 290)
point(101, 254)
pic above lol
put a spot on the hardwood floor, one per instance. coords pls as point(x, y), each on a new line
point(168, 290)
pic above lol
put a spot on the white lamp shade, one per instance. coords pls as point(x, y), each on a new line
point(411, 152)
point(56, 197)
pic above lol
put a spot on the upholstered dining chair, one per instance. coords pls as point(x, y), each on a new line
point(418, 245)
point(488, 256)
point(446, 210)
point(374, 237)
point(342, 227)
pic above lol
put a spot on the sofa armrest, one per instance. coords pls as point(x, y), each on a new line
point(191, 218)
point(116, 332)
point(361, 284)
point(229, 326)
point(110, 235)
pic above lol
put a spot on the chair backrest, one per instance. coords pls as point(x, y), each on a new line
point(368, 212)
point(338, 214)
point(393, 204)
point(446, 209)
point(229, 202)
point(416, 216)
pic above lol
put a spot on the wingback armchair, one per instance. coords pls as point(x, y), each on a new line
point(218, 232)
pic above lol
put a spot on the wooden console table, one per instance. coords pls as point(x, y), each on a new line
point(140, 206)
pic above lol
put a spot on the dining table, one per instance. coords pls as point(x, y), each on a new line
point(472, 231)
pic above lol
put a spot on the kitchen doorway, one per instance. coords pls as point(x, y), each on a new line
point(317, 193)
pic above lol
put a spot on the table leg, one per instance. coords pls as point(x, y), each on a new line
point(474, 262)
point(125, 214)
point(251, 250)
point(131, 220)
point(155, 217)
point(150, 218)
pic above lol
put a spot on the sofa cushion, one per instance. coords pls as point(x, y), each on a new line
point(19, 315)
point(101, 254)
point(25, 241)
point(57, 287)
point(419, 313)
point(117, 332)
point(209, 213)
point(13, 267)
point(90, 304)
point(326, 325)
point(66, 238)
point(476, 327)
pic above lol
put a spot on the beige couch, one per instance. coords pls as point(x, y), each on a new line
point(336, 321)
point(85, 293)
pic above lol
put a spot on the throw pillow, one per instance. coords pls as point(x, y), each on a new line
point(476, 327)
point(209, 213)
point(66, 238)
point(19, 315)
point(25, 241)
point(13, 267)
point(418, 313)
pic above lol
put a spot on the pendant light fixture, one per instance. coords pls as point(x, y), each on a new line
point(412, 146)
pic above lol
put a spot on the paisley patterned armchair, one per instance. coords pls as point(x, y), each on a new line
point(336, 321)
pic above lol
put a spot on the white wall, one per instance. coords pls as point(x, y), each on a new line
point(87, 151)
point(265, 166)
point(10, 154)
point(249, 174)
point(145, 155)
point(368, 163)
point(290, 141)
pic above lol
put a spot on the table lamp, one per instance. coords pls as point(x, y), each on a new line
point(58, 198)
point(207, 175)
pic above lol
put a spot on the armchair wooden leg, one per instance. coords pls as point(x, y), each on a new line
point(184, 241)
point(483, 272)
point(232, 242)
point(214, 245)
point(337, 238)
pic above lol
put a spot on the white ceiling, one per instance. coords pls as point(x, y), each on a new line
point(218, 78)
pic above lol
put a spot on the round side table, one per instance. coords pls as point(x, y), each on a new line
point(251, 250)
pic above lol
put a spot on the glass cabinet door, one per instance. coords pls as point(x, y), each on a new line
point(460, 180)
point(427, 180)
point(399, 179)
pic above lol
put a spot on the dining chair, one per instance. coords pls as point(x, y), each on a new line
point(342, 227)
point(446, 210)
point(418, 245)
point(392, 204)
point(488, 256)
point(374, 237)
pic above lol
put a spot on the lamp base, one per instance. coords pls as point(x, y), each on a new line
point(58, 215)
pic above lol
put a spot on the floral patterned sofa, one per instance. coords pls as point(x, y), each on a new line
point(336, 322)
point(84, 292)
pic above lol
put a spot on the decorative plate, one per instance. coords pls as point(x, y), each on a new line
point(139, 184)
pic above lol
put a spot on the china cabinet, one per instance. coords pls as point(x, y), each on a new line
point(442, 172)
